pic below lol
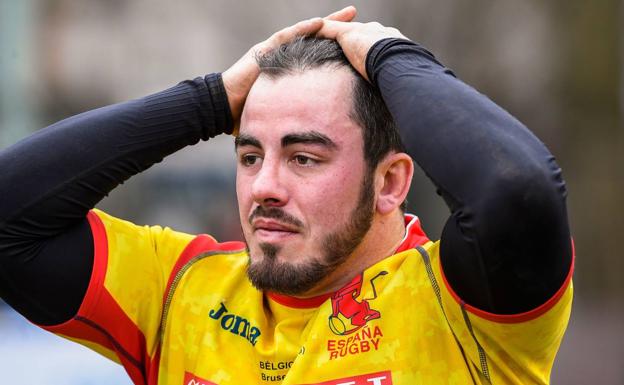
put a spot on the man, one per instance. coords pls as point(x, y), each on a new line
point(334, 284)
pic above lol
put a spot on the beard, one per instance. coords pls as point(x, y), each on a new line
point(286, 278)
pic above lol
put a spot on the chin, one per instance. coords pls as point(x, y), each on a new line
point(271, 273)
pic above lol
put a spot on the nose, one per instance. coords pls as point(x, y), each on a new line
point(268, 187)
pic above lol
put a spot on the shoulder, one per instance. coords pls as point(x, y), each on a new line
point(204, 252)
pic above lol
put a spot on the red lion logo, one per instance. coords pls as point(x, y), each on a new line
point(344, 303)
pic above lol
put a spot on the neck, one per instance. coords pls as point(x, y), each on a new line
point(381, 241)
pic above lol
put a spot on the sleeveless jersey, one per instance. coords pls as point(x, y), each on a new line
point(177, 309)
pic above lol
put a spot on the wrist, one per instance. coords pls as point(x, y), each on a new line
point(223, 121)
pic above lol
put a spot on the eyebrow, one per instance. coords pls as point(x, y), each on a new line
point(310, 137)
point(246, 140)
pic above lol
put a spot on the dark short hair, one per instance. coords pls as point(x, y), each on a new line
point(369, 110)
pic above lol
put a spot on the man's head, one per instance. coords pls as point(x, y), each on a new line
point(315, 167)
point(367, 106)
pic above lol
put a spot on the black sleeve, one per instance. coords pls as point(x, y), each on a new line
point(506, 247)
point(50, 180)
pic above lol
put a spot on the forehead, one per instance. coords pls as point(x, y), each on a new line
point(315, 100)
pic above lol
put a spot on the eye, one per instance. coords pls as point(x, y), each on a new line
point(248, 160)
point(303, 160)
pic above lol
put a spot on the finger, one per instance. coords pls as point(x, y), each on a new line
point(331, 29)
point(345, 14)
point(306, 27)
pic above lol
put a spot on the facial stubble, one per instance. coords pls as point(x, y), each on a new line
point(268, 273)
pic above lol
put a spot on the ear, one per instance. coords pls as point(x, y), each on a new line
point(393, 179)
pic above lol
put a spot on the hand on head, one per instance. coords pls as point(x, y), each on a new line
point(354, 38)
point(239, 78)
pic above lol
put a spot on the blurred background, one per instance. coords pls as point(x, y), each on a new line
point(555, 65)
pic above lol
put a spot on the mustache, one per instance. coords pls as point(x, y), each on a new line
point(274, 213)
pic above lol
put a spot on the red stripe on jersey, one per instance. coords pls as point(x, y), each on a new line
point(96, 282)
point(112, 328)
point(154, 368)
point(101, 320)
point(520, 317)
point(414, 234)
point(200, 244)
point(299, 303)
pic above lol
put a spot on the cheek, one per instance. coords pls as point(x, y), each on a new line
point(243, 194)
point(335, 198)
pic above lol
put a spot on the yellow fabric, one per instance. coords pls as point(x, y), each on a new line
point(220, 330)
point(140, 259)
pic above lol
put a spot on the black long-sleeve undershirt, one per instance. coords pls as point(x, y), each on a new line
point(51, 179)
point(505, 248)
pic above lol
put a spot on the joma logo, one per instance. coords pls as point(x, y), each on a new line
point(235, 324)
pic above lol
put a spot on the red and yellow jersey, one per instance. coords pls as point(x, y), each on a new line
point(177, 309)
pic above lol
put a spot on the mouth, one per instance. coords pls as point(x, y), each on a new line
point(268, 230)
